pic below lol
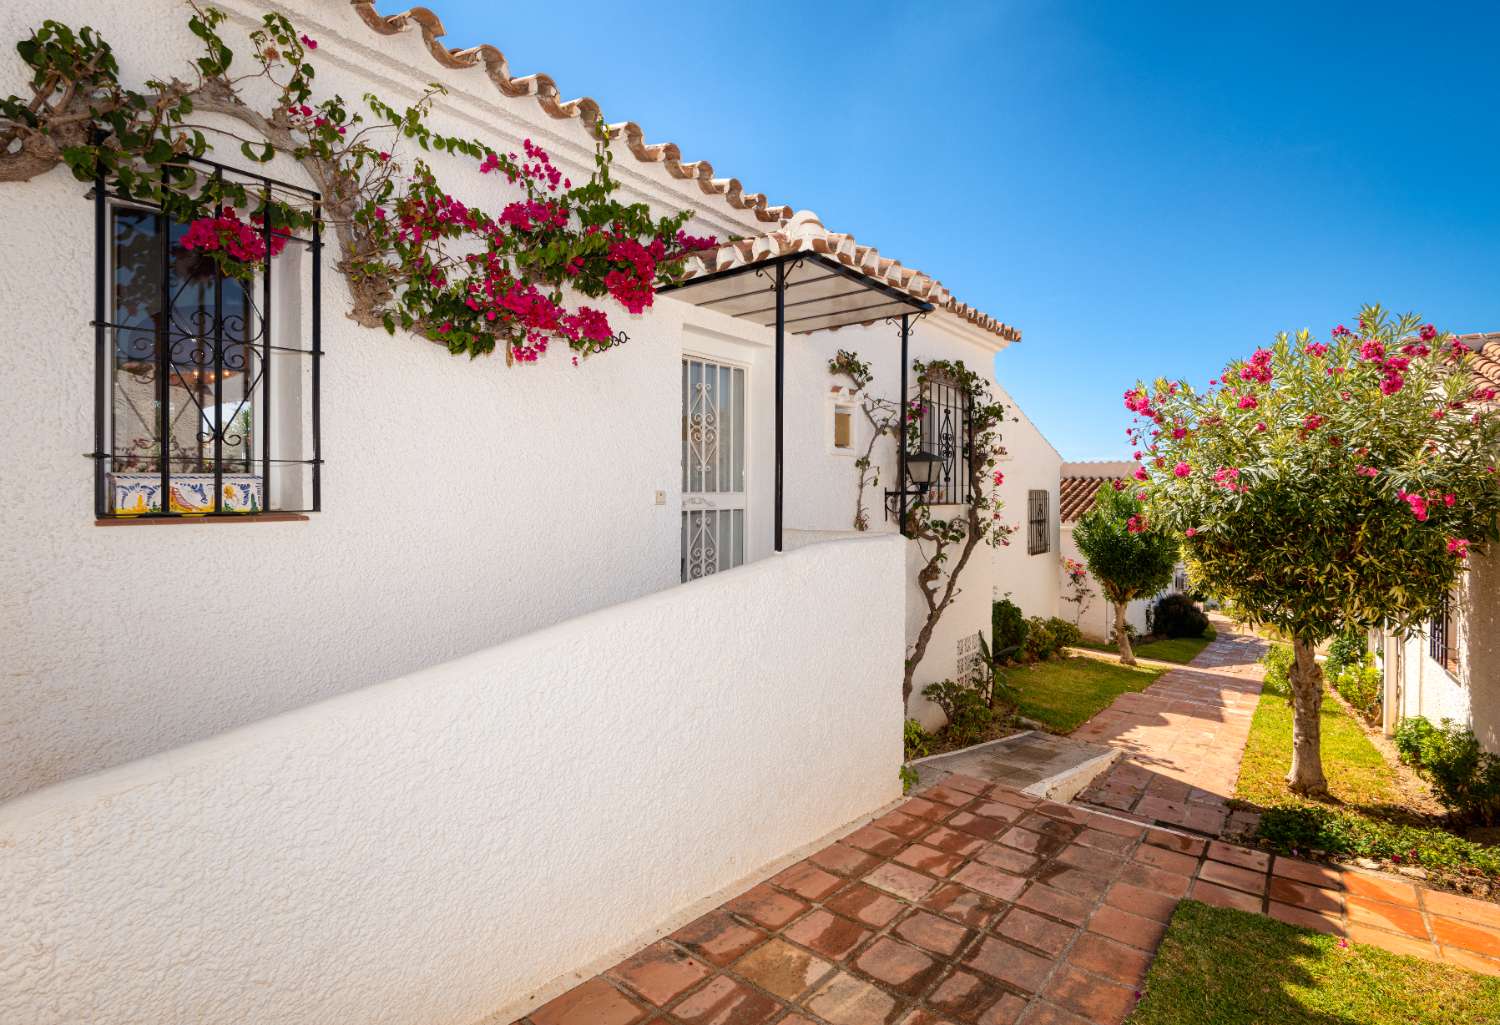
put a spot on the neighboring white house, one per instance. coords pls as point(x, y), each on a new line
point(1026, 569)
point(1451, 670)
point(365, 755)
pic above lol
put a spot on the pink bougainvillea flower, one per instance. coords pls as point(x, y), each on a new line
point(1182, 469)
point(311, 44)
point(999, 478)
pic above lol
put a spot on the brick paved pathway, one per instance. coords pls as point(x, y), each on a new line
point(1183, 737)
point(973, 904)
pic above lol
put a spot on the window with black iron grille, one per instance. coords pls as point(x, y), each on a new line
point(206, 391)
point(1442, 642)
point(1038, 523)
point(948, 433)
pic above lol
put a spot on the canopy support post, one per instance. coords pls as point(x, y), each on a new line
point(901, 426)
point(780, 385)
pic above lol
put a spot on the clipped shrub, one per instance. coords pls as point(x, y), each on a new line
point(1303, 828)
point(1348, 648)
point(1175, 615)
point(1007, 625)
point(1064, 633)
point(1359, 682)
point(1464, 776)
point(968, 711)
point(1040, 643)
point(916, 740)
point(1278, 662)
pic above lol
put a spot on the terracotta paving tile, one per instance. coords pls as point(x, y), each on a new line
point(1023, 839)
point(929, 859)
point(1010, 964)
point(898, 966)
point(866, 904)
point(1396, 943)
point(1383, 888)
point(978, 825)
point(902, 882)
point(1063, 812)
point(922, 1016)
point(972, 998)
point(1168, 861)
point(997, 810)
point(1363, 911)
point(991, 881)
point(1110, 921)
point(1050, 1014)
point(1088, 886)
point(717, 937)
point(945, 839)
point(1105, 1003)
point(830, 935)
point(1470, 960)
point(659, 972)
point(1235, 878)
point(724, 1001)
point(845, 861)
point(766, 906)
point(1303, 896)
point(1256, 861)
point(846, 1000)
point(1221, 896)
point(1110, 843)
point(1055, 903)
point(904, 826)
point(875, 840)
point(1006, 858)
point(1465, 909)
point(1033, 930)
point(1176, 841)
point(1061, 831)
point(1132, 831)
point(1095, 953)
point(1140, 901)
point(807, 880)
point(934, 933)
point(968, 784)
point(782, 969)
point(595, 1002)
point(1157, 880)
point(923, 809)
point(1308, 872)
point(1450, 932)
point(963, 905)
point(1321, 921)
point(943, 794)
point(1090, 859)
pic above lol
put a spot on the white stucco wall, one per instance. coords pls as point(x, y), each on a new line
point(1030, 464)
point(1098, 617)
point(822, 483)
point(464, 503)
point(436, 848)
point(1418, 685)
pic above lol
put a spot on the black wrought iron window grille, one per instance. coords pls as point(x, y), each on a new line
point(1038, 523)
point(947, 431)
point(1442, 642)
point(207, 385)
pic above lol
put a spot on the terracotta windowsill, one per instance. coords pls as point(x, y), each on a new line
point(271, 517)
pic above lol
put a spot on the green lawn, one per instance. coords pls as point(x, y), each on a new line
point(1222, 967)
point(1365, 817)
point(1064, 693)
point(1181, 650)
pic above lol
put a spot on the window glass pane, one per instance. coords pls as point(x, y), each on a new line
point(842, 428)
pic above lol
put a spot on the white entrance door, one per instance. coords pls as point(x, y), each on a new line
point(713, 467)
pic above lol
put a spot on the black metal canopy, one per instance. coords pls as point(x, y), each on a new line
point(801, 292)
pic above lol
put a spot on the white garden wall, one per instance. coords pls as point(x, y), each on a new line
point(1030, 464)
point(439, 847)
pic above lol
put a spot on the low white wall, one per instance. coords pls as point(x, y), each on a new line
point(433, 849)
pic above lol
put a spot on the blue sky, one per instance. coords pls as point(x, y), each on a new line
point(1142, 188)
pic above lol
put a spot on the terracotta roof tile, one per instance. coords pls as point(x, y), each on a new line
point(1075, 495)
point(803, 232)
point(1485, 362)
point(547, 96)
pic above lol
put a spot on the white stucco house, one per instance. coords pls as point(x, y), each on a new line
point(426, 657)
point(1451, 669)
point(1026, 570)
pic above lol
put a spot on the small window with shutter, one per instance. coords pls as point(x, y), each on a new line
point(1038, 523)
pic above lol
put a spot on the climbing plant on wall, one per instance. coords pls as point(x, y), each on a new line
point(946, 543)
point(415, 256)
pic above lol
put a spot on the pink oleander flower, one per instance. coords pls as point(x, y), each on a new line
point(1135, 524)
point(1248, 402)
point(1190, 532)
point(1340, 331)
point(1182, 470)
point(1449, 499)
point(1317, 349)
point(1119, 485)
point(1260, 427)
point(1458, 547)
point(1179, 433)
point(1371, 350)
point(1140, 473)
point(1366, 471)
point(1312, 422)
point(1428, 333)
point(1417, 503)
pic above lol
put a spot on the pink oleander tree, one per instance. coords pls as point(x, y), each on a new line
point(1320, 485)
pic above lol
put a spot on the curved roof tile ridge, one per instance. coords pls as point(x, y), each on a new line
point(804, 232)
point(549, 98)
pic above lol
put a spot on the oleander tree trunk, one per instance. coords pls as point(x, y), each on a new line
point(1306, 776)
point(1122, 636)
